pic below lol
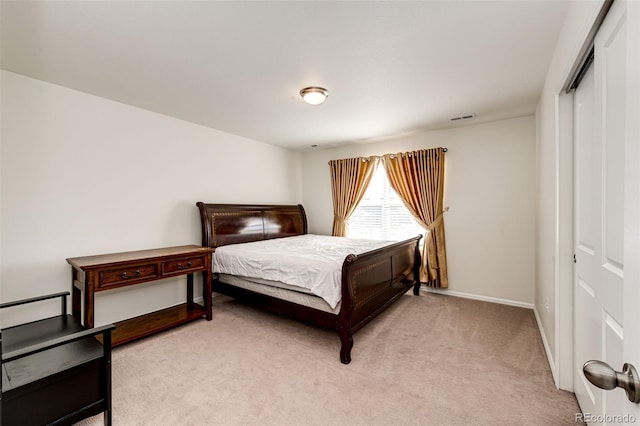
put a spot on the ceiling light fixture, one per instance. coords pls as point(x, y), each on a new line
point(314, 95)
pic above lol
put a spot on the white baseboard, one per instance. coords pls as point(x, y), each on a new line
point(450, 293)
point(200, 299)
point(547, 350)
point(478, 297)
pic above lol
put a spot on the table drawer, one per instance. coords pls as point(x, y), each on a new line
point(128, 275)
point(189, 264)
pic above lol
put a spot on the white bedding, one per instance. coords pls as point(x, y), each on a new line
point(313, 262)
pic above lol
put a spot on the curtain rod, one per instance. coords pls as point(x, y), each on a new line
point(379, 157)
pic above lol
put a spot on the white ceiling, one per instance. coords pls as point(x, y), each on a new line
point(391, 67)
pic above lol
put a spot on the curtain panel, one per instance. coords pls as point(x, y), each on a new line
point(349, 180)
point(418, 178)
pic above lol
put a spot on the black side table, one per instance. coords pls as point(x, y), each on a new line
point(54, 369)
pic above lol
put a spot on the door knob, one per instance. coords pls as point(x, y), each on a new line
point(603, 376)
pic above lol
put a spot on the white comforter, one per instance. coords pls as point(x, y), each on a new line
point(309, 261)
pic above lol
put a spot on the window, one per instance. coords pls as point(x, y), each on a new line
point(381, 215)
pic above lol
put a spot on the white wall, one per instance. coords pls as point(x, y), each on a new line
point(83, 175)
point(489, 186)
point(554, 203)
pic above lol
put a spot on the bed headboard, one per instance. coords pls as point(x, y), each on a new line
point(242, 223)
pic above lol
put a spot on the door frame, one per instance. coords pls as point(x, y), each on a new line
point(632, 208)
point(565, 242)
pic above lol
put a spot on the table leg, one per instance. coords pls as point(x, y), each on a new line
point(206, 294)
point(76, 303)
point(190, 291)
point(89, 298)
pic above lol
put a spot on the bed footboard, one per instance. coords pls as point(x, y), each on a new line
point(372, 281)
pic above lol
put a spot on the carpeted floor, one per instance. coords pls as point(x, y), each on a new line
point(427, 360)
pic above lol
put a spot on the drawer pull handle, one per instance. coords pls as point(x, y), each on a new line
point(126, 277)
point(187, 266)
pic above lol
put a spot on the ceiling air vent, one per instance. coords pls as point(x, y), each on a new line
point(462, 117)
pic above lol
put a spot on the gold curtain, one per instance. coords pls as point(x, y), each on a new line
point(418, 178)
point(349, 180)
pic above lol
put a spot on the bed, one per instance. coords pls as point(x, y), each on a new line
point(368, 281)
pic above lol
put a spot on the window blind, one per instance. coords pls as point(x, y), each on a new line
point(381, 215)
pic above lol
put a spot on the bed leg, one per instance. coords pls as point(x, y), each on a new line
point(346, 339)
point(416, 289)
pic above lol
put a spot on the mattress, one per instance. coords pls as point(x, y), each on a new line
point(310, 263)
point(280, 291)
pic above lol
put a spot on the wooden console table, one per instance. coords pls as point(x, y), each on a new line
point(91, 274)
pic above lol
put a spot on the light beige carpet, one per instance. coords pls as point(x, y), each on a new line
point(428, 360)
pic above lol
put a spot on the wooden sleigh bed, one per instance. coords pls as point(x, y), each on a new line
point(370, 281)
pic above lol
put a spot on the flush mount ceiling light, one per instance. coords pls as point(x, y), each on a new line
point(314, 95)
